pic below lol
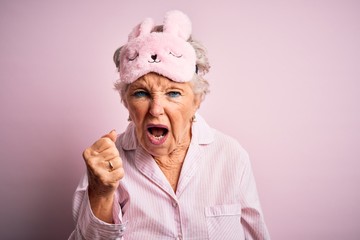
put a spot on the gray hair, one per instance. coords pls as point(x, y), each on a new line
point(199, 83)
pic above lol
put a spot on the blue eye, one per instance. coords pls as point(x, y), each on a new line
point(174, 94)
point(140, 94)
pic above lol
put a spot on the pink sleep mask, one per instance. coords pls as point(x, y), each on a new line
point(167, 53)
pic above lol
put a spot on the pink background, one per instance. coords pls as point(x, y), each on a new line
point(284, 82)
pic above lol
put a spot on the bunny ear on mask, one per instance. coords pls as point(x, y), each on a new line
point(178, 24)
point(141, 29)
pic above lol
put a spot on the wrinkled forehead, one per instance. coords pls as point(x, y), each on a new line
point(156, 81)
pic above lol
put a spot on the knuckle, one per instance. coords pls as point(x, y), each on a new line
point(86, 153)
point(90, 160)
point(119, 161)
point(112, 153)
point(120, 174)
point(115, 154)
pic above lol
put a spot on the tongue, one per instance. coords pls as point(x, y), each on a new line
point(157, 132)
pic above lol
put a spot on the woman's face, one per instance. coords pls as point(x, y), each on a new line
point(162, 111)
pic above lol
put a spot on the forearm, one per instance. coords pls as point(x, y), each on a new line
point(102, 206)
point(89, 226)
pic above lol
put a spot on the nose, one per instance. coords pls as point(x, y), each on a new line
point(154, 57)
point(156, 107)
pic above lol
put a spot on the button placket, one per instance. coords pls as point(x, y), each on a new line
point(176, 208)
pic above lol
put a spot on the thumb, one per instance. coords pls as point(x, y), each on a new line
point(112, 135)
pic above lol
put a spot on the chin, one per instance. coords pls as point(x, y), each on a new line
point(156, 150)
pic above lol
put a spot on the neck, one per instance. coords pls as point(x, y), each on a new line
point(171, 165)
point(175, 158)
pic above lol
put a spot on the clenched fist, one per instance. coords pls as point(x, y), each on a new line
point(105, 171)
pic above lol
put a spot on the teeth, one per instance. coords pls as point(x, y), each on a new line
point(158, 138)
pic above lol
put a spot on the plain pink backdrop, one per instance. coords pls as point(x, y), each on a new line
point(284, 82)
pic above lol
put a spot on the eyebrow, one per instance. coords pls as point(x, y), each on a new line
point(142, 84)
point(137, 85)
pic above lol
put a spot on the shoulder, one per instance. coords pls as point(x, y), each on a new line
point(227, 156)
point(226, 150)
point(228, 143)
point(216, 142)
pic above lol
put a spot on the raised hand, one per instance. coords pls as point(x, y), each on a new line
point(105, 171)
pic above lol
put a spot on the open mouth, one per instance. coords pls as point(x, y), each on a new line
point(157, 133)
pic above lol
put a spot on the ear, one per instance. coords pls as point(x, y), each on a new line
point(143, 28)
point(178, 24)
point(197, 100)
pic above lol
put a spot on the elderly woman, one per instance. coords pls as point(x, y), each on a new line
point(169, 175)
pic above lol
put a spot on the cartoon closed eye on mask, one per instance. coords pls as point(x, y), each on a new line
point(167, 53)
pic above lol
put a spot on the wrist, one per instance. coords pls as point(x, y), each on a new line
point(102, 206)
